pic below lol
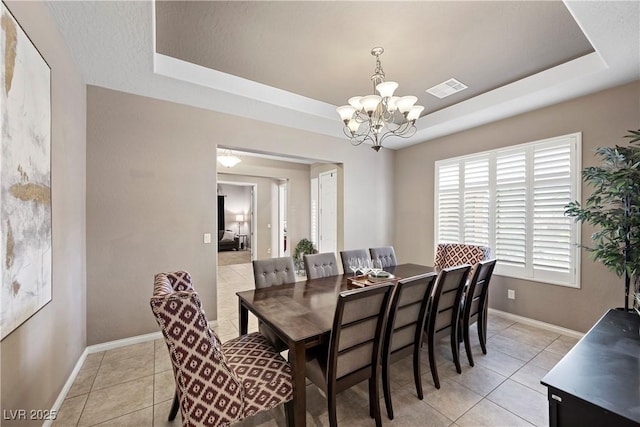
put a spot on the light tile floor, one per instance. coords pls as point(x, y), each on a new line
point(133, 385)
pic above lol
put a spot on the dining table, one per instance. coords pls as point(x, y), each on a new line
point(301, 315)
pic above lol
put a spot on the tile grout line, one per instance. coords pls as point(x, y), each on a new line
point(90, 389)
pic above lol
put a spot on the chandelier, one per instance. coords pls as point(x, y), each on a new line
point(376, 117)
point(228, 160)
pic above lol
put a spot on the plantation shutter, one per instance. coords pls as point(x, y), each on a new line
point(511, 209)
point(476, 202)
point(513, 200)
point(551, 193)
point(449, 203)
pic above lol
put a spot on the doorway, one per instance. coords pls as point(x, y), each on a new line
point(236, 221)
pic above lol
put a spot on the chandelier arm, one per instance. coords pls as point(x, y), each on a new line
point(357, 138)
point(410, 132)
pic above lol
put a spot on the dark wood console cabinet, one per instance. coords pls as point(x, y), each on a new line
point(598, 382)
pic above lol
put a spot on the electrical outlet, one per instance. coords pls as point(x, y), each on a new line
point(511, 294)
point(268, 250)
point(207, 238)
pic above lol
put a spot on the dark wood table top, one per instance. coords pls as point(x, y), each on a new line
point(604, 367)
point(304, 311)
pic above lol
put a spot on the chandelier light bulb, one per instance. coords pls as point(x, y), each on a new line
point(391, 104)
point(353, 125)
point(405, 103)
point(370, 103)
point(386, 89)
point(346, 112)
point(414, 113)
point(355, 102)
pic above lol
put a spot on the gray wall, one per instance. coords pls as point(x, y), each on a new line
point(603, 119)
point(38, 357)
point(151, 179)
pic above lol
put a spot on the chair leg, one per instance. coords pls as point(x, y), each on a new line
point(482, 330)
point(331, 403)
point(432, 362)
point(455, 347)
point(386, 389)
point(174, 407)
point(371, 414)
point(417, 371)
point(467, 343)
point(288, 412)
point(374, 400)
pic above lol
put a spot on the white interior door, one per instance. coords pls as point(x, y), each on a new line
point(283, 248)
point(328, 212)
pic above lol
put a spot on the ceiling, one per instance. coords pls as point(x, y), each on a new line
point(290, 63)
point(329, 58)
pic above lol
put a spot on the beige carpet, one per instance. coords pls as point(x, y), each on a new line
point(234, 257)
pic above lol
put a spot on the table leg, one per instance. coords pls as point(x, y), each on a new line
point(243, 314)
point(297, 360)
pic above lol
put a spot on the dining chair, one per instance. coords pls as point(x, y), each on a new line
point(474, 308)
point(444, 314)
point(216, 383)
point(353, 352)
point(321, 265)
point(273, 272)
point(386, 254)
point(353, 253)
point(452, 254)
point(405, 329)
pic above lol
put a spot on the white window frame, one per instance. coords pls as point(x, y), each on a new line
point(571, 279)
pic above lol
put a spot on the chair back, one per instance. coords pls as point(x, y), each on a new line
point(353, 253)
point(447, 296)
point(476, 295)
point(354, 346)
point(273, 272)
point(321, 265)
point(408, 313)
point(452, 254)
point(386, 254)
point(196, 355)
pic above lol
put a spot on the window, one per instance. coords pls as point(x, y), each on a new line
point(512, 200)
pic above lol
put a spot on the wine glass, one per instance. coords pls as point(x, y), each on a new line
point(377, 266)
point(353, 265)
point(364, 265)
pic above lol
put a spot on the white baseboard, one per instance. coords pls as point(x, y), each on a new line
point(537, 323)
point(110, 345)
point(67, 386)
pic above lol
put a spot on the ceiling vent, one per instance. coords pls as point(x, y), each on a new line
point(447, 88)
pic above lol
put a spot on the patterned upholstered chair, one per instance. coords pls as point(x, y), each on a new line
point(273, 272)
point(452, 254)
point(386, 254)
point(321, 265)
point(216, 384)
point(353, 253)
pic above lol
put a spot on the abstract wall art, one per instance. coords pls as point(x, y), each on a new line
point(25, 177)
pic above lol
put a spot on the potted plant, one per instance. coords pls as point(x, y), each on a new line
point(614, 209)
point(304, 246)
